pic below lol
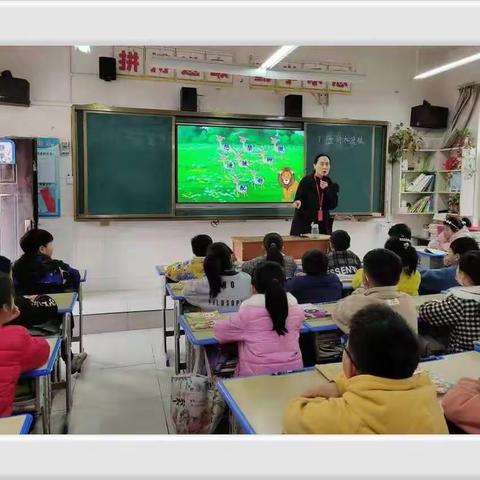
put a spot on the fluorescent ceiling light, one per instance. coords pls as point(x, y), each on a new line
point(277, 56)
point(448, 66)
point(83, 48)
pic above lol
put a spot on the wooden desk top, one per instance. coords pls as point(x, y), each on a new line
point(286, 238)
point(16, 425)
point(258, 402)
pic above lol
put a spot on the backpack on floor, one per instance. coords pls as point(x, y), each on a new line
point(196, 406)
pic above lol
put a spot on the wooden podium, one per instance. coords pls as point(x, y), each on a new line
point(246, 248)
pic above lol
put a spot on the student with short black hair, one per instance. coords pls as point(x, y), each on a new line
point(409, 280)
point(222, 286)
point(37, 272)
point(316, 285)
point(192, 268)
point(400, 230)
point(378, 391)
point(381, 273)
point(436, 280)
point(460, 309)
point(341, 260)
point(267, 326)
point(273, 246)
point(19, 352)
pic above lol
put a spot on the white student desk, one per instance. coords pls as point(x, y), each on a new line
point(430, 259)
point(258, 403)
point(42, 403)
point(16, 425)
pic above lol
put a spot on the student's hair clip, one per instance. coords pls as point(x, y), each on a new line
point(406, 242)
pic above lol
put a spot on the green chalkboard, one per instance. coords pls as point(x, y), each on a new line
point(125, 163)
point(358, 162)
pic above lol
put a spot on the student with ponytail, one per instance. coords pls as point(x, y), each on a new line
point(453, 227)
point(222, 286)
point(273, 246)
point(267, 326)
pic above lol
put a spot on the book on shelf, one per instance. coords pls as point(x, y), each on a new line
point(421, 183)
point(422, 205)
point(454, 182)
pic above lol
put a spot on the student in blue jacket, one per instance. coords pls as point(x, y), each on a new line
point(316, 285)
point(438, 279)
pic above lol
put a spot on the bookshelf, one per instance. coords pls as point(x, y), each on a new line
point(433, 181)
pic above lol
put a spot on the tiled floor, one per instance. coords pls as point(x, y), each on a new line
point(124, 386)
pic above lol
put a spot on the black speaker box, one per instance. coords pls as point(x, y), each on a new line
point(188, 99)
point(428, 116)
point(14, 91)
point(107, 68)
point(293, 105)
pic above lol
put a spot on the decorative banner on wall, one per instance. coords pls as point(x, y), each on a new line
point(315, 84)
point(260, 81)
point(155, 70)
point(48, 155)
point(290, 83)
point(7, 152)
point(130, 60)
point(218, 76)
point(339, 87)
point(186, 73)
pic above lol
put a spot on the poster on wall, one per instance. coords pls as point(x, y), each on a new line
point(48, 156)
point(315, 84)
point(7, 152)
point(190, 74)
point(218, 76)
point(152, 66)
point(290, 83)
point(130, 60)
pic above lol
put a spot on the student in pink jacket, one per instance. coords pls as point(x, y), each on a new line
point(454, 227)
point(267, 326)
point(461, 405)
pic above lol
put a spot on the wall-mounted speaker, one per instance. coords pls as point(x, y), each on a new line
point(188, 99)
point(107, 68)
point(428, 116)
point(293, 105)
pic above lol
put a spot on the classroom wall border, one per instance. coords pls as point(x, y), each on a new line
point(206, 211)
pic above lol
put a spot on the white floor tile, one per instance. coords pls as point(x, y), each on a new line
point(116, 386)
point(117, 349)
point(144, 416)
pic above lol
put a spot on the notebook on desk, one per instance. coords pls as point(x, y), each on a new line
point(200, 320)
point(313, 311)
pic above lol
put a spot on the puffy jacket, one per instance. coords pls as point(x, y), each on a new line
point(19, 352)
point(260, 349)
point(37, 273)
point(315, 288)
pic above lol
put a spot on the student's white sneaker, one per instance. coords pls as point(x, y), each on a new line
point(77, 362)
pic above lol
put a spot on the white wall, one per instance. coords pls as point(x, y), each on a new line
point(123, 254)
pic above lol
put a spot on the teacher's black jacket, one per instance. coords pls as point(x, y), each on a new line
point(307, 213)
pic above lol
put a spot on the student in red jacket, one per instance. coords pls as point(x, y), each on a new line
point(19, 352)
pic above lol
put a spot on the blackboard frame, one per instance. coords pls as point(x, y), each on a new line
point(262, 211)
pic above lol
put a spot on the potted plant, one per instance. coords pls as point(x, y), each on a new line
point(403, 138)
point(463, 138)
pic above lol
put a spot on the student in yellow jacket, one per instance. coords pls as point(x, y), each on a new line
point(378, 391)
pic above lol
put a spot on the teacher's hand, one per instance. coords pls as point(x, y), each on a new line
point(297, 204)
point(323, 185)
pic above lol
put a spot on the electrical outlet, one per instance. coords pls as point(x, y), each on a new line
point(69, 179)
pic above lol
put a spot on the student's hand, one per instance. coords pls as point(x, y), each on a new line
point(323, 184)
point(210, 323)
point(326, 390)
point(297, 204)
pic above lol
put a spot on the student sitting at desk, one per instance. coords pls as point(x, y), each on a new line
point(461, 405)
point(222, 285)
point(273, 246)
point(436, 280)
point(460, 309)
point(32, 312)
point(409, 280)
point(378, 391)
point(267, 326)
point(381, 273)
point(453, 227)
point(317, 285)
point(36, 272)
point(341, 260)
point(192, 268)
point(19, 352)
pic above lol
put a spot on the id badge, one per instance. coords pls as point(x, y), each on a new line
point(320, 215)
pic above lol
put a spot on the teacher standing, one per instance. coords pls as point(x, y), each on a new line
point(316, 195)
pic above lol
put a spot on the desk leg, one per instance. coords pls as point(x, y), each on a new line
point(176, 335)
point(165, 324)
point(68, 364)
point(80, 317)
point(47, 402)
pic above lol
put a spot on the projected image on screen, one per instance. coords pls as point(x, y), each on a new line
point(238, 164)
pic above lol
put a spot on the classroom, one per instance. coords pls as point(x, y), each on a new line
point(157, 203)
